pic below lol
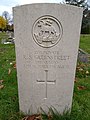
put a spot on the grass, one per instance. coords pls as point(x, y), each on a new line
point(3, 35)
point(85, 43)
point(9, 106)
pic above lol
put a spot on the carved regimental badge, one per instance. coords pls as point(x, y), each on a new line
point(47, 31)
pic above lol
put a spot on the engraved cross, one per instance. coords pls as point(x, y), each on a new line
point(46, 82)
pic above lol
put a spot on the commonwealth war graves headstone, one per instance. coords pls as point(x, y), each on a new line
point(47, 40)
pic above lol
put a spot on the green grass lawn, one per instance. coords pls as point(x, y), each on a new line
point(85, 43)
point(9, 106)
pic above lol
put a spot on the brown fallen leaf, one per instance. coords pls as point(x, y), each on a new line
point(39, 117)
point(33, 117)
point(1, 81)
point(14, 66)
point(9, 71)
point(1, 86)
point(50, 116)
point(81, 87)
point(25, 118)
point(29, 118)
point(75, 81)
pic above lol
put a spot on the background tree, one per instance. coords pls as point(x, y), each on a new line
point(2, 23)
point(86, 13)
point(6, 16)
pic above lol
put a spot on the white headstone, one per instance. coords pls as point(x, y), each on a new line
point(47, 41)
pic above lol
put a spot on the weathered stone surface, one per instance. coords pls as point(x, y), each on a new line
point(47, 40)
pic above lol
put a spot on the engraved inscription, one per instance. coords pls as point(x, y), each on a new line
point(47, 31)
point(47, 59)
point(46, 82)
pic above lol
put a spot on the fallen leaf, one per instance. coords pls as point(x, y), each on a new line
point(75, 81)
point(14, 66)
point(81, 87)
point(87, 72)
point(25, 118)
point(9, 71)
point(1, 81)
point(50, 116)
point(1, 86)
point(33, 117)
point(80, 69)
point(11, 63)
point(39, 117)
